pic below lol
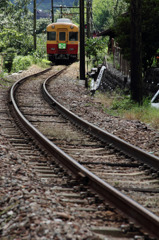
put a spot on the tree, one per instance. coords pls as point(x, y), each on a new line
point(149, 30)
point(136, 52)
point(15, 28)
point(3, 4)
point(15, 16)
point(42, 24)
point(95, 47)
point(106, 11)
point(22, 16)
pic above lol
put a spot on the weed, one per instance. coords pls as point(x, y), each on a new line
point(121, 105)
point(116, 184)
point(44, 63)
point(21, 63)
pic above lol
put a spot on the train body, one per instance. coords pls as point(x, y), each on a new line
point(62, 40)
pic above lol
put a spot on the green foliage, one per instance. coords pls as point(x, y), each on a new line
point(15, 37)
point(26, 45)
point(106, 11)
point(16, 16)
point(95, 47)
point(21, 63)
point(10, 38)
point(150, 32)
point(127, 109)
point(3, 4)
point(41, 25)
point(15, 27)
point(41, 48)
point(44, 63)
point(123, 104)
point(119, 104)
point(122, 29)
point(34, 57)
point(8, 59)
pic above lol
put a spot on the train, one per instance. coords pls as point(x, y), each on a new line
point(62, 40)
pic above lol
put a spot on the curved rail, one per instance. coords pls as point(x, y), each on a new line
point(127, 148)
point(132, 209)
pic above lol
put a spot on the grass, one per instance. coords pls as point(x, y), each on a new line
point(60, 134)
point(44, 63)
point(4, 82)
point(122, 106)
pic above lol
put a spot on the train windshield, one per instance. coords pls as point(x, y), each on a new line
point(51, 36)
point(73, 36)
point(62, 36)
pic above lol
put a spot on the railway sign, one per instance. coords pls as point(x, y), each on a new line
point(62, 46)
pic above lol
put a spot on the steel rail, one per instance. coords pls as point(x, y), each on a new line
point(132, 209)
point(127, 148)
point(138, 211)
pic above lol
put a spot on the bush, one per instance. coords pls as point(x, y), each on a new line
point(8, 59)
point(21, 63)
point(96, 48)
point(40, 52)
point(25, 46)
point(43, 63)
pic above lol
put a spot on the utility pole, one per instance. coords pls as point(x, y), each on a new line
point(82, 42)
point(88, 18)
point(61, 11)
point(34, 30)
point(136, 52)
point(52, 10)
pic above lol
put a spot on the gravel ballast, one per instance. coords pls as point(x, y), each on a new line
point(28, 208)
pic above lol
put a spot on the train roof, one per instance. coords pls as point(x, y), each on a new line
point(64, 20)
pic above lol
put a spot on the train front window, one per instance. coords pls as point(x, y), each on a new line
point(62, 36)
point(51, 36)
point(73, 36)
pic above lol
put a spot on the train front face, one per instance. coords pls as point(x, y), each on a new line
point(62, 41)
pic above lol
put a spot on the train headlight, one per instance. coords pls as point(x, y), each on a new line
point(53, 26)
point(71, 27)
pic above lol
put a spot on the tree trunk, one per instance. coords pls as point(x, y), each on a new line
point(82, 41)
point(136, 52)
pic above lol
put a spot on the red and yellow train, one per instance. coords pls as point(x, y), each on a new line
point(62, 40)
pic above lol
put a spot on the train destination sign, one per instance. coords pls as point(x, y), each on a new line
point(62, 45)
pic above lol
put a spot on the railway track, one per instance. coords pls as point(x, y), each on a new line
point(111, 161)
